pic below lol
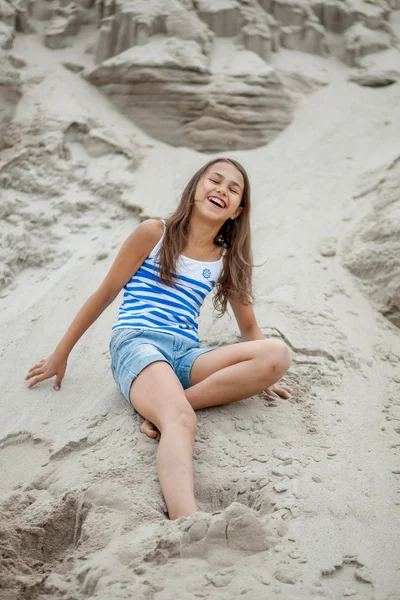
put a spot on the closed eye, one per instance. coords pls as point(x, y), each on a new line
point(230, 189)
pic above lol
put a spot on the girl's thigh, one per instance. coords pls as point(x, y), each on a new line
point(158, 395)
point(211, 362)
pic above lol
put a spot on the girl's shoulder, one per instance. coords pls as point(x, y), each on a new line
point(145, 237)
point(152, 230)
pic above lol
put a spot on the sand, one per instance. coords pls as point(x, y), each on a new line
point(298, 498)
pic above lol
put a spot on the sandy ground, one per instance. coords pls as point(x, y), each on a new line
point(300, 498)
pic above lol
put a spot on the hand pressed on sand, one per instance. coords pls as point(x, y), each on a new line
point(276, 391)
point(46, 368)
point(273, 392)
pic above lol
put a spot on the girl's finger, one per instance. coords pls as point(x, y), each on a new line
point(37, 371)
point(272, 395)
point(283, 389)
point(34, 372)
point(37, 379)
point(57, 383)
point(31, 374)
point(37, 366)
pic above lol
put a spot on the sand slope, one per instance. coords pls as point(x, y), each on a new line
point(300, 498)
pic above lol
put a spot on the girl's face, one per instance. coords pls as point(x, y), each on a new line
point(219, 192)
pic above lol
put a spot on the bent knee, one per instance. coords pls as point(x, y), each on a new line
point(277, 357)
point(184, 419)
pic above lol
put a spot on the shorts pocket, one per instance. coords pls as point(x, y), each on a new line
point(120, 336)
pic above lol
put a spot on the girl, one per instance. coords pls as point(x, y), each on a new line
point(166, 270)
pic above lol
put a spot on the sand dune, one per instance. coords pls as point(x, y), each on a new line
point(297, 498)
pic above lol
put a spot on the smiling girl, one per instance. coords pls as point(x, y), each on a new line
point(166, 270)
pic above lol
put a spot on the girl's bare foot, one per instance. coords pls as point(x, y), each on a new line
point(150, 430)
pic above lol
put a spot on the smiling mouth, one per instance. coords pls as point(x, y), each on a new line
point(217, 201)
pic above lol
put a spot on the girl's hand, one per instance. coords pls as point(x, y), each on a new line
point(46, 368)
point(276, 391)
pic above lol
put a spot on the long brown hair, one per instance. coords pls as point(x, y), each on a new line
point(235, 282)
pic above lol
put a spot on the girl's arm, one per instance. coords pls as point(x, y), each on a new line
point(132, 254)
point(246, 321)
point(250, 331)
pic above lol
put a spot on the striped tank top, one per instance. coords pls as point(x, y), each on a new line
point(149, 304)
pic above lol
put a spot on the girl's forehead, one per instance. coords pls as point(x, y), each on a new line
point(227, 170)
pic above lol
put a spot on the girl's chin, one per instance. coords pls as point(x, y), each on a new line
point(216, 216)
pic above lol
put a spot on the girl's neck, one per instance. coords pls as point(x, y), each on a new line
point(200, 245)
point(202, 234)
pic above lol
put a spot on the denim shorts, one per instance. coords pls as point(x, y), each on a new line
point(134, 349)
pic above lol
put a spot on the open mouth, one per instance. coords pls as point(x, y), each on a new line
point(217, 201)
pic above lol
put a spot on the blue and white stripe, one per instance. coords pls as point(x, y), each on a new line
point(149, 304)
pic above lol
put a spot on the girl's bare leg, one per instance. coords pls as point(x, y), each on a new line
point(236, 372)
point(159, 397)
point(232, 373)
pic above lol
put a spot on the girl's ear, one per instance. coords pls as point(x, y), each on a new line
point(237, 213)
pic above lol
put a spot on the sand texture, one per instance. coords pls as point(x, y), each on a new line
point(106, 111)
